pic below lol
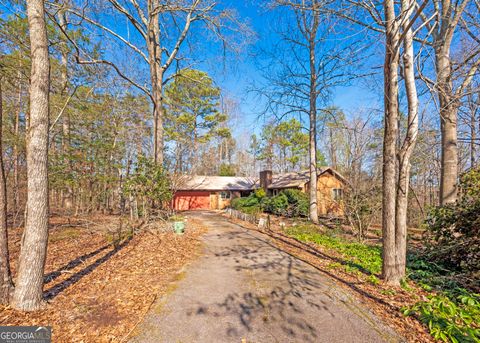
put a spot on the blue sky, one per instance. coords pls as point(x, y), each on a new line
point(237, 75)
point(241, 73)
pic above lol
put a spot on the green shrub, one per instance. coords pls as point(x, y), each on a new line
point(298, 203)
point(250, 204)
point(366, 258)
point(277, 204)
point(454, 229)
point(260, 193)
point(240, 203)
point(150, 185)
point(452, 315)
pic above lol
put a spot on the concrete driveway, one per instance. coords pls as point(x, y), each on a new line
point(243, 289)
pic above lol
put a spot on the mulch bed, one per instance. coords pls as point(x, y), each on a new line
point(98, 292)
point(383, 300)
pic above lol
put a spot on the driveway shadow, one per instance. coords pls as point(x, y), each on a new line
point(288, 299)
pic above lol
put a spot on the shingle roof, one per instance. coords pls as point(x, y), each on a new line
point(299, 179)
point(289, 180)
point(215, 183)
point(236, 183)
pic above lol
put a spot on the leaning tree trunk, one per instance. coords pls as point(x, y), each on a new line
point(6, 284)
point(406, 150)
point(389, 270)
point(29, 287)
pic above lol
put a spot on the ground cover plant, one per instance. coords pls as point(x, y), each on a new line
point(451, 312)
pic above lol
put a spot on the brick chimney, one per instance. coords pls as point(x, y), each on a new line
point(266, 179)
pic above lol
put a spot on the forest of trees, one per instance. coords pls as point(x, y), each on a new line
point(96, 116)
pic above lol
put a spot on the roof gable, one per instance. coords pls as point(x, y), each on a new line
point(301, 178)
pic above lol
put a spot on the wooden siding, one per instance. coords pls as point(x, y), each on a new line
point(326, 204)
point(326, 183)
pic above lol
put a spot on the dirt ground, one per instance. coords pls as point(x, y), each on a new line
point(100, 283)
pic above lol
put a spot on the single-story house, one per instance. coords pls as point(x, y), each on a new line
point(216, 192)
point(209, 192)
point(330, 187)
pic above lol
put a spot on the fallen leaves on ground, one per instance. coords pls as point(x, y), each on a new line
point(96, 292)
point(383, 300)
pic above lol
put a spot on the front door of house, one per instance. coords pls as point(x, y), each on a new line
point(213, 201)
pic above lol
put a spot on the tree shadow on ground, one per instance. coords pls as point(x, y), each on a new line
point(305, 247)
point(72, 264)
point(289, 302)
point(291, 241)
point(55, 290)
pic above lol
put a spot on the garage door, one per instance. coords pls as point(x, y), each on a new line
point(189, 200)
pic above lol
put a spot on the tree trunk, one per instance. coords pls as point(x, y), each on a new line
point(389, 269)
point(195, 152)
point(16, 154)
point(159, 124)
point(448, 125)
point(6, 284)
point(333, 150)
point(29, 287)
point(156, 78)
point(473, 135)
point(473, 132)
point(67, 195)
point(407, 148)
point(313, 209)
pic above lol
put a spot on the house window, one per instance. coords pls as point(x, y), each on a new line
point(225, 195)
point(275, 192)
point(337, 194)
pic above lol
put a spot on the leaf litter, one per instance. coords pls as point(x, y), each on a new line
point(98, 290)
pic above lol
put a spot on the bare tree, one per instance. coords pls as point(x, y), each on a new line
point(470, 113)
point(6, 284)
point(397, 26)
point(156, 25)
point(311, 31)
point(67, 196)
point(29, 284)
point(452, 78)
point(302, 70)
point(398, 30)
point(405, 151)
point(391, 65)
